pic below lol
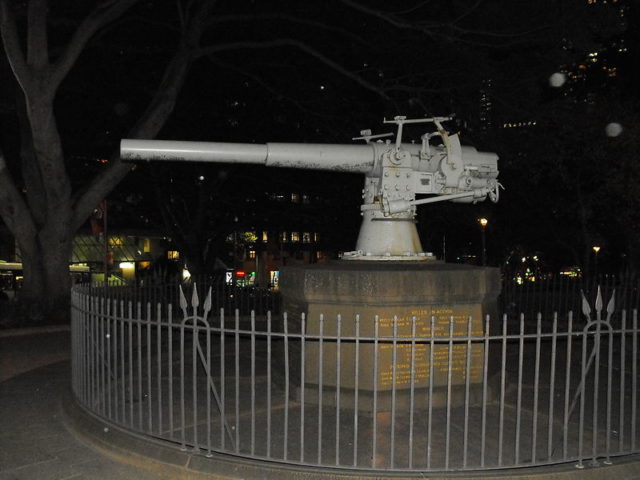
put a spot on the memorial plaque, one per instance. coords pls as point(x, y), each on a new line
point(449, 308)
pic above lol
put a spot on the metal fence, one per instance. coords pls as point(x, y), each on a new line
point(230, 297)
point(557, 293)
point(403, 394)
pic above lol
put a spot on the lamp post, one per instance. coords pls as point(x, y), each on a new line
point(483, 225)
point(596, 250)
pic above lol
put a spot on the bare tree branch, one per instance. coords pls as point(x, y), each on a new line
point(439, 29)
point(412, 9)
point(287, 18)
point(102, 15)
point(468, 12)
point(31, 174)
point(391, 18)
point(277, 93)
point(289, 42)
point(13, 209)
point(181, 15)
point(148, 126)
point(486, 33)
point(46, 149)
point(12, 47)
point(37, 45)
point(154, 117)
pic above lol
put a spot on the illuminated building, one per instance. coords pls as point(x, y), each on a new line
point(288, 236)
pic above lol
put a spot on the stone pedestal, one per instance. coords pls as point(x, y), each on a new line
point(404, 290)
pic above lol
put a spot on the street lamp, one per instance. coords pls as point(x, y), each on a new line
point(483, 225)
point(596, 249)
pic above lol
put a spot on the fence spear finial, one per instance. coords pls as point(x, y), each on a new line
point(183, 301)
point(586, 309)
point(599, 300)
point(195, 301)
point(612, 303)
point(207, 303)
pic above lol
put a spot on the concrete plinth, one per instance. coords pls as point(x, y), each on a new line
point(395, 292)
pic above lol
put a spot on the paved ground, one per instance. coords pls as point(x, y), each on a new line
point(34, 442)
point(22, 350)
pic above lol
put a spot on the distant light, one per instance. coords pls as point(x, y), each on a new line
point(483, 221)
point(613, 129)
point(240, 273)
point(596, 248)
point(557, 79)
point(321, 87)
point(186, 274)
point(126, 265)
point(201, 178)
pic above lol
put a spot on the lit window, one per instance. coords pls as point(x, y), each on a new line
point(252, 254)
point(265, 236)
point(116, 241)
point(250, 237)
point(316, 237)
point(295, 198)
point(306, 237)
point(283, 237)
point(295, 237)
point(146, 245)
point(306, 199)
point(319, 255)
point(173, 255)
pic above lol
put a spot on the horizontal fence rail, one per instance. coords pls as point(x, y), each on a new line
point(383, 393)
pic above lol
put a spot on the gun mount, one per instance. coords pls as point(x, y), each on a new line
point(395, 173)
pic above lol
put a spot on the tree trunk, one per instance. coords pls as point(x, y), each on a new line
point(41, 211)
point(45, 262)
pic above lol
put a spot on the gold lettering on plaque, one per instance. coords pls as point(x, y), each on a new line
point(449, 357)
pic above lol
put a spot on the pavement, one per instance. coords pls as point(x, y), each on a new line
point(43, 435)
point(35, 442)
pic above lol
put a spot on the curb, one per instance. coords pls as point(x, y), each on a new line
point(19, 332)
point(168, 461)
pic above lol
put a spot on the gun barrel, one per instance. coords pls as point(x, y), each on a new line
point(345, 158)
point(174, 151)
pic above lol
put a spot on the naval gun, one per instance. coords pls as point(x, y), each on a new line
point(395, 174)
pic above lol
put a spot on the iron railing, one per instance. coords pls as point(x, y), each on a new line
point(556, 293)
point(402, 394)
point(230, 297)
